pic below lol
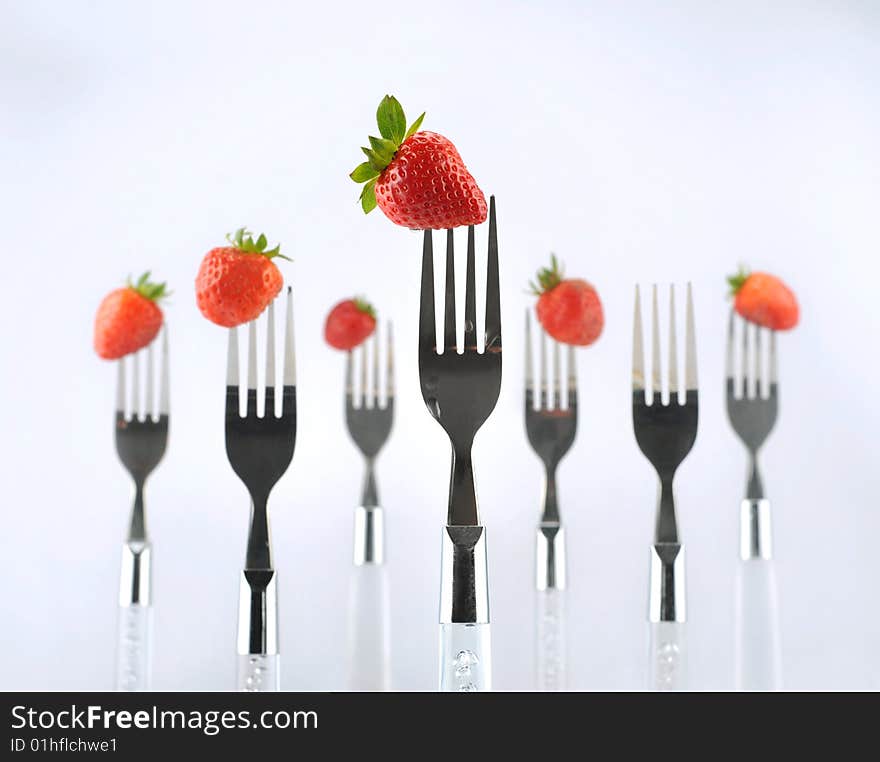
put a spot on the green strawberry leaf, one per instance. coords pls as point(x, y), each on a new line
point(373, 159)
point(414, 127)
point(368, 197)
point(384, 149)
point(152, 291)
point(262, 242)
point(364, 172)
point(736, 282)
point(391, 120)
point(364, 306)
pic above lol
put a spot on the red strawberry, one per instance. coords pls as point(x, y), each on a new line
point(765, 300)
point(236, 283)
point(569, 309)
point(349, 324)
point(417, 178)
point(128, 318)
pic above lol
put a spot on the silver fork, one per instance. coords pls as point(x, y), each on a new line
point(141, 439)
point(551, 430)
point(665, 435)
point(460, 391)
point(260, 449)
point(369, 426)
point(752, 415)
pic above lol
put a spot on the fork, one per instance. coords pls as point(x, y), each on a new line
point(369, 426)
point(665, 434)
point(752, 416)
point(551, 431)
point(141, 439)
point(460, 390)
point(259, 449)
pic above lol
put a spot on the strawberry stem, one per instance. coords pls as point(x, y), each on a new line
point(364, 306)
point(548, 277)
point(736, 282)
point(147, 289)
point(392, 127)
point(243, 240)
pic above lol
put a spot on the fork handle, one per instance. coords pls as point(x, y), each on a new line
point(550, 582)
point(667, 657)
point(758, 661)
point(758, 652)
point(133, 647)
point(550, 641)
point(258, 658)
point(369, 629)
point(465, 644)
point(465, 658)
point(667, 613)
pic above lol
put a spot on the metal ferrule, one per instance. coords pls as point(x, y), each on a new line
point(369, 536)
point(258, 612)
point(464, 585)
point(135, 580)
point(755, 536)
point(550, 557)
point(667, 596)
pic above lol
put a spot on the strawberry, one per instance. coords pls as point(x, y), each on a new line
point(765, 300)
point(569, 309)
point(128, 318)
point(417, 178)
point(235, 283)
point(349, 324)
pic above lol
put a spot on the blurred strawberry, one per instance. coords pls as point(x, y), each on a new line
point(128, 318)
point(235, 283)
point(568, 308)
point(764, 300)
point(349, 324)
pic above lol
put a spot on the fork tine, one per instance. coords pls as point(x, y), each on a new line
point(120, 386)
point(252, 368)
point(349, 378)
point(729, 361)
point(149, 402)
point(362, 397)
point(530, 378)
point(136, 388)
point(772, 360)
point(270, 346)
point(690, 351)
point(289, 349)
point(470, 294)
point(164, 384)
point(673, 357)
point(543, 379)
point(493, 290)
point(389, 376)
point(656, 383)
point(269, 380)
point(232, 374)
point(376, 370)
point(638, 358)
point(557, 381)
point(427, 326)
point(746, 362)
point(572, 378)
point(759, 364)
point(449, 340)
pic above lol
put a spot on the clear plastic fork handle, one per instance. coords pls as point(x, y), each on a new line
point(465, 658)
point(133, 648)
point(667, 666)
point(550, 640)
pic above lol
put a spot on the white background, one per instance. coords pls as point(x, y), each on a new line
point(638, 142)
